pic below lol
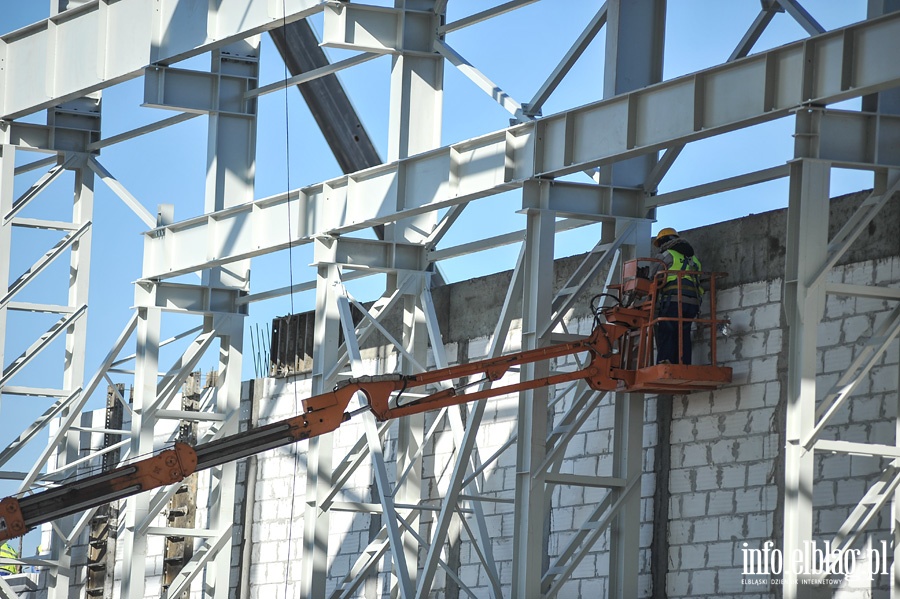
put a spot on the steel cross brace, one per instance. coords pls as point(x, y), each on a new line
point(198, 561)
point(39, 186)
point(385, 492)
point(854, 226)
point(466, 453)
point(876, 345)
point(594, 525)
point(584, 274)
point(875, 499)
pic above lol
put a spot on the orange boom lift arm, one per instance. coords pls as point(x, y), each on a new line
point(614, 349)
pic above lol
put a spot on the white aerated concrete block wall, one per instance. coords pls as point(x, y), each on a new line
point(727, 447)
point(724, 447)
point(724, 473)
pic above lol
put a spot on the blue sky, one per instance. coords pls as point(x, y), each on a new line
point(517, 51)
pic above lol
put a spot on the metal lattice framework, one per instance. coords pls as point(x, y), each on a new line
point(627, 142)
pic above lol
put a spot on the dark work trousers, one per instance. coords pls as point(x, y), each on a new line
point(667, 331)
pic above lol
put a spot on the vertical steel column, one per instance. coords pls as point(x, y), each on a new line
point(182, 511)
point(895, 510)
point(530, 532)
point(231, 166)
point(807, 243)
point(414, 126)
point(223, 480)
point(231, 158)
point(61, 578)
point(134, 559)
point(624, 556)
point(635, 35)
point(104, 526)
point(887, 101)
point(319, 451)
point(414, 122)
point(411, 431)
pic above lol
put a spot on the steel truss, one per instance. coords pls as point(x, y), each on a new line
point(621, 135)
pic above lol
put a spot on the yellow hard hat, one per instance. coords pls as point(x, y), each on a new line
point(667, 232)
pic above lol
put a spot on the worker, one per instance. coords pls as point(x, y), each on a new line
point(7, 552)
point(676, 254)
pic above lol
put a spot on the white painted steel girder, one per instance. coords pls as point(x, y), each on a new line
point(379, 29)
point(848, 138)
point(191, 299)
point(587, 201)
point(835, 66)
point(370, 254)
point(199, 92)
point(104, 42)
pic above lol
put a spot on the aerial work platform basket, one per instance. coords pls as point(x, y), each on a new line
point(636, 306)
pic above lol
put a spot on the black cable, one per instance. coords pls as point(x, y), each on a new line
point(287, 151)
point(597, 310)
point(402, 389)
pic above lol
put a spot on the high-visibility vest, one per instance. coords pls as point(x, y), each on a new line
point(690, 285)
point(8, 552)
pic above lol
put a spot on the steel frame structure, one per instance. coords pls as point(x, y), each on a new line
point(417, 195)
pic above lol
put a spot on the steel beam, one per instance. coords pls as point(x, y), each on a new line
point(198, 91)
point(586, 201)
point(755, 30)
point(121, 39)
point(760, 88)
point(484, 15)
point(635, 34)
point(189, 299)
point(465, 448)
point(73, 409)
point(403, 29)
point(533, 108)
point(41, 344)
point(223, 481)
point(720, 186)
point(480, 79)
point(123, 194)
point(76, 349)
point(370, 254)
point(866, 357)
point(849, 139)
point(328, 102)
point(36, 188)
point(411, 430)
point(44, 261)
point(802, 16)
